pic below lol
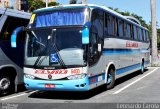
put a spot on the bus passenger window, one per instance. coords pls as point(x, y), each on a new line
point(144, 34)
point(128, 30)
point(115, 27)
point(98, 22)
point(120, 28)
point(147, 35)
point(140, 34)
point(105, 26)
point(110, 23)
point(125, 29)
point(131, 32)
point(135, 32)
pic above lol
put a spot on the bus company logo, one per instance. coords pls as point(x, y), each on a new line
point(49, 76)
point(51, 71)
point(131, 44)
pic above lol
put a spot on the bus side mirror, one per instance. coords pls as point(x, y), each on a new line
point(85, 36)
point(14, 36)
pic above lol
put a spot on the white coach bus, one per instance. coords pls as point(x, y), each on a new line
point(80, 47)
point(11, 59)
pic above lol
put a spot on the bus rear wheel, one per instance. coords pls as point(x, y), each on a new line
point(6, 85)
point(110, 79)
point(142, 68)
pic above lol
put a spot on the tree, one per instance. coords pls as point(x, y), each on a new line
point(53, 4)
point(72, 1)
point(36, 4)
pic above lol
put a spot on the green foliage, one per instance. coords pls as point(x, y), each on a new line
point(36, 4)
point(53, 4)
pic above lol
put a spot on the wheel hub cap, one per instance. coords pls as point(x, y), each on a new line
point(4, 83)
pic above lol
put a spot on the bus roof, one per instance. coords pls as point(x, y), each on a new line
point(72, 6)
point(15, 13)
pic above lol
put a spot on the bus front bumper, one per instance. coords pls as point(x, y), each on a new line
point(59, 85)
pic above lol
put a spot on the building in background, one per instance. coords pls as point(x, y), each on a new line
point(5, 3)
point(21, 5)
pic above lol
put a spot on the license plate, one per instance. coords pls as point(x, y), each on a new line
point(49, 85)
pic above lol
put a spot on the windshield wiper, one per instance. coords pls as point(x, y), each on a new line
point(56, 49)
point(41, 53)
point(39, 57)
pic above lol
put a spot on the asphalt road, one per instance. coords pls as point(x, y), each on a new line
point(134, 88)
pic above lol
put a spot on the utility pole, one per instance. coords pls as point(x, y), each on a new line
point(154, 58)
point(46, 3)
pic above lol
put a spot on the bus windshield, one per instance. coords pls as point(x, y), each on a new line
point(42, 42)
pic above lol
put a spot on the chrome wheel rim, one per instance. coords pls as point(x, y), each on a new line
point(109, 79)
point(4, 83)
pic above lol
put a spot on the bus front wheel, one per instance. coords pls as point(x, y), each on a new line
point(5, 85)
point(110, 79)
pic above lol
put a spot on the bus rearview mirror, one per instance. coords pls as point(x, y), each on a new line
point(85, 36)
point(14, 36)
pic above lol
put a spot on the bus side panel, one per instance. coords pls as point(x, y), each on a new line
point(129, 57)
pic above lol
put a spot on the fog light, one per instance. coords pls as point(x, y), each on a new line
point(29, 76)
point(80, 76)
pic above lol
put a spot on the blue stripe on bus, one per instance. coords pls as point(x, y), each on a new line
point(128, 68)
point(147, 62)
point(94, 79)
point(123, 51)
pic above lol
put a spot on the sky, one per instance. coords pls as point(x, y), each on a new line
point(139, 7)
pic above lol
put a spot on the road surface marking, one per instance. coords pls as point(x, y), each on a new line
point(120, 90)
point(15, 96)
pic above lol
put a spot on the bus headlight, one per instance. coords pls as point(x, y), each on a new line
point(80, 76)
point(29, 76)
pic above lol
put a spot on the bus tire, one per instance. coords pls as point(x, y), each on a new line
point(142, 67)
point(110, 79)
point(6, 85)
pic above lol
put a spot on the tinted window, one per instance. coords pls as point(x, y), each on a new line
point(10, 25)
point(140, 34)
point(97, 22)
point(144, 36)
point(115, 27)
point(128, 30)
point(105, 25)
point(131, 32)
point(135, 32)
point(147, 35)
point(124, 29)
point(110, 22)
point(120, 28)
